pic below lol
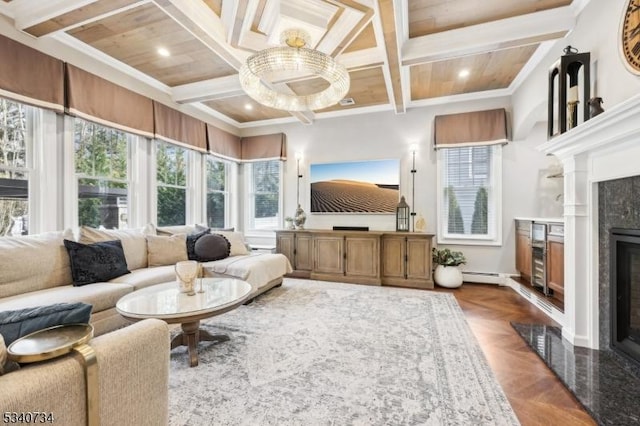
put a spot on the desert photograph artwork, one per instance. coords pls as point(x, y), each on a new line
point(355, 187)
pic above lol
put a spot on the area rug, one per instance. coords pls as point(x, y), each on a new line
point(321, 353)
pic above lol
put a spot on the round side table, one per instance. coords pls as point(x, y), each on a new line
point(56, 341)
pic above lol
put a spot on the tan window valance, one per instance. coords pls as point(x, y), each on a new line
point(223, 144)
point(179, 128)
point(471, 128)
point(29, 76)
point(99, 100)
point(264, 147)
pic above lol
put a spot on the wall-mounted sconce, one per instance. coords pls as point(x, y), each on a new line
point(300, 216)
point(299, 176)
point(413, 148)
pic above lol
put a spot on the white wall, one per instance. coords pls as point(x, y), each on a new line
point(387, 135)
point(597, 32)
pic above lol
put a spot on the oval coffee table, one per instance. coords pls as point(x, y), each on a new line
point(165, 302)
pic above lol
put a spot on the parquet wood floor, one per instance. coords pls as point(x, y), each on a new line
point(536, 395)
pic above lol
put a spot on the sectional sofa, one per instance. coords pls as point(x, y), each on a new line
point(35, 270)
point(133, 361)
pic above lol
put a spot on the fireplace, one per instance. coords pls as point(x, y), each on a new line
point(625, 291)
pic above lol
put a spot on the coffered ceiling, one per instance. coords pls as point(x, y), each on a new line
point(399, 53)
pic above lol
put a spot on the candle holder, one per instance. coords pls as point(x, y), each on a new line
point(571, 88)
point(186, 273)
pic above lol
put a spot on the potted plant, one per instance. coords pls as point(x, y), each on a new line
point(289, 221)
point(447, 273)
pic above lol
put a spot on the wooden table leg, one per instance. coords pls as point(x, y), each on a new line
point(190, 337)
point(205, 336)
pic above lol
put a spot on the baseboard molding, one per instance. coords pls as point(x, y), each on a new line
point(538, 301)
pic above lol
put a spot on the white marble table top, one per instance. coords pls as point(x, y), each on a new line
point(166, 302)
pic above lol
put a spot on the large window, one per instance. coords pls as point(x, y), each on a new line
point(264, 195)
point(101, 162)
point(469, 194)
point(216, 180)
point(171, 182)
point(15, 120)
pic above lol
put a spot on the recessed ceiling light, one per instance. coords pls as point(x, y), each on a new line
point(248, 107)
point(464, 73)
point(163, 51)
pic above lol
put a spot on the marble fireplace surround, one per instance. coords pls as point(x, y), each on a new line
point(605, 148)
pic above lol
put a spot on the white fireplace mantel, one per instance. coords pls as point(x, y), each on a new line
point(603, 148)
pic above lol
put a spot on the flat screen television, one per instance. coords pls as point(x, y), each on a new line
point(370, 186)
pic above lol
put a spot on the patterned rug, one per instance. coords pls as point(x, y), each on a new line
point(321, 353)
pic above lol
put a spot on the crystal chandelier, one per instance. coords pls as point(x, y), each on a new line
point(293, 57)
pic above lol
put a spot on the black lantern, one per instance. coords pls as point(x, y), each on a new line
point(402, 216)
point(566, 72)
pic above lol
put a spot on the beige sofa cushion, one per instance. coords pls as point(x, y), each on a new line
point(134, 243)
point(178, 229)
point(238, 245)
point(33, 262)
point(166, 250)
point(141, 278)
point(101, 295)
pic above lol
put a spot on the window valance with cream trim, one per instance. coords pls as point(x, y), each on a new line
point(471, 129)
point(264, 147)
point(224, 144)
point(179, 128)
point(99, 100)
point(30, 76)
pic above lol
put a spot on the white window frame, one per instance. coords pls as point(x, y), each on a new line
point(205, 190)
point(71, 178)
point(33, 144)
point(189, 185)
point(249, 207)
point(495, 199)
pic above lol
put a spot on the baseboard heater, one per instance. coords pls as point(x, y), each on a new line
point(483, 277)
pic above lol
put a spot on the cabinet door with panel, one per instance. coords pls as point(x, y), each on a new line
point(328, 254)
point(362, 256)
point(555, 266)
point(419, 259)
point(304, 251)
point(523, 248)
point(394, 251)
point(285, 244)
point(406, 260)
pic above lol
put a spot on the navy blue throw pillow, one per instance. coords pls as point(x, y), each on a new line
point(16, 324)
point(97, 262)
point(191, 243)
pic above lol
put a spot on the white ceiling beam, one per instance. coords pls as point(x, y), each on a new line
point(344, 25)
point(361, 58)
point(206, 90)
point(511, 32)
point(228, 17)
point(28, 14)
point(390, 13)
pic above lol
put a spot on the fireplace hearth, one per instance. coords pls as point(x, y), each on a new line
point(625, 291)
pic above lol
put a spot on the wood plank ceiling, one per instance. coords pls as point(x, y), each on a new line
point(394, 63)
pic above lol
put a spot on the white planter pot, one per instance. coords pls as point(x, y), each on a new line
point(448, 276)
